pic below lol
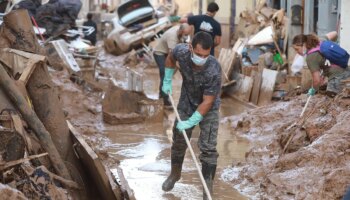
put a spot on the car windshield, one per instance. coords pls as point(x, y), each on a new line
point(135, 15)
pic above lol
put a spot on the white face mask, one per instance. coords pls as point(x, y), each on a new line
point(186, 39)
point(197, 60)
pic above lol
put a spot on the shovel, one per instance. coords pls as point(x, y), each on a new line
point(302, 112)
point(191, 150)
point(295, 124)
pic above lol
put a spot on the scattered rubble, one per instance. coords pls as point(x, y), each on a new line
point(54, 16)
point(315, 163)
point(43, 156)
point(257, 64)
point(39, 155)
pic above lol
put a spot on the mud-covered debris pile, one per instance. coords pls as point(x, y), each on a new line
point(41, 155)
point(315, 164)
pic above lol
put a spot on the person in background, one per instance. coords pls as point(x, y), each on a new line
point(164, 46)
point(318, 66)
point(206, 23)
point(90, 22)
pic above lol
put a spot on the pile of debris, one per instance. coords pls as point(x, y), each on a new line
point(55, 16)
point(257, 62)
point(288, 160)
point(42, 155)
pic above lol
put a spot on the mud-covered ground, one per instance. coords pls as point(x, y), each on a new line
point(316, 163)
point(142, 150)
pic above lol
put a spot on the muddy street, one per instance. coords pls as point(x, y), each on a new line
point(85, 114)
point(144, 152)
point(145, 159)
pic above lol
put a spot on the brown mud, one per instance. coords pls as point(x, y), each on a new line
point(316, 162)
point(142, 150)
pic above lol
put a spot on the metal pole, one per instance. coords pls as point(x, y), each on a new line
point(191, 150)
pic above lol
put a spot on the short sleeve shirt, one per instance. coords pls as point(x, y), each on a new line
point(316, 62)
point(195, 84)
point(168, 40)
point(205, 23)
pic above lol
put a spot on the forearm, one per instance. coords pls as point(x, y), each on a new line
point(206, 105)
point(216, 43)
point(217, 40)
point(316, 79)
point(170, 62)
point(183, 20)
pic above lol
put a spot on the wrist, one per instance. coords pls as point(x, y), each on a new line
point(169, 72)
point(196, 118)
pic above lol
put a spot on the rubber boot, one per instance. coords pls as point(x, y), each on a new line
point(174, 176)
point(208, 172)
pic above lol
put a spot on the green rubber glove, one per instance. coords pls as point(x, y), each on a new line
point(167, 82)
point(311, 92)
point(174, 18)
point(191, 122)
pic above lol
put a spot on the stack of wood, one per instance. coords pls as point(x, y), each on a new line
point(253, 21)
point(36, 146)
point(254, 83)
point(257, 88)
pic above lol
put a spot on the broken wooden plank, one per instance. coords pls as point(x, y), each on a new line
point(239, 45)
point(229, 83)
point(244, 87)
point(27, 72)
point(244, 103)
point(267, 86)
point(18, 125)
point(226, 59)
point(257, 76)
point(9, 87)
point(124, 185)
point(94, 166)
point(5, 165)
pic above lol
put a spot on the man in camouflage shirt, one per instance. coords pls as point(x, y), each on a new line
point(199, 104)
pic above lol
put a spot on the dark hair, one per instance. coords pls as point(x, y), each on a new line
point(89, 15)
point(213, 7)
point(204, 39)
point(310, 41)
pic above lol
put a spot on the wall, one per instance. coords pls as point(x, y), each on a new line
point(242, 5)
point(309, 17)
point(187, 6)
point(345, 25)
point(327, 16)
point(223, 17)
point(293, 29)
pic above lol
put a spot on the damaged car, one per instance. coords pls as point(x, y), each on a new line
point(136, 23)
